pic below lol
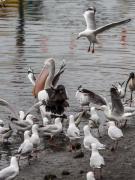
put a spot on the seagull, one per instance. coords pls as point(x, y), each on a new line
point(90, 176)
point(89, 139)
point(131, 84)
point(26, 147)
point(116, 111)
point(95, 119)
point(121, 89)
point(96, 160)
point(114, 133)
point(31, 76)
point(91, 31)
point(52, 129)
point(85, 97)
point(35, 139)
point(11, 171)
point(73, 132)
point(5, 132)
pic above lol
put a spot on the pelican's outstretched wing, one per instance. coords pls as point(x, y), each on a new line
point(90, 19)
point(41, 79)
point(117, 106)
point(95, 98)
point(9, 106)
point(111, 25)
point(57, 76)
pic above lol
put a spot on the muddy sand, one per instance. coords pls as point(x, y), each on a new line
point(60, 163)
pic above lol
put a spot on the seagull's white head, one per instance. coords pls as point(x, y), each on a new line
point(26, 134)
point(91, 9)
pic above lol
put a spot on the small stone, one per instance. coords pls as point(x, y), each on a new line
point(50, 177)
point(65, 173)
point(81, 171)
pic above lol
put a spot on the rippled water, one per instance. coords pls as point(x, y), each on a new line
point(33, 30)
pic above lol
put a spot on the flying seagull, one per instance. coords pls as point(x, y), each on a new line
point(91, 31)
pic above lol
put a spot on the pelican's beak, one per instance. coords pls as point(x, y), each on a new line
point(40, 82)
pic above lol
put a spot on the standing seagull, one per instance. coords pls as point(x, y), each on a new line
point(96, 160)
point(73, 132)
point(11, 171)
point(114, 133)
point(89, 139)
point(26, 147)
point(91, 31)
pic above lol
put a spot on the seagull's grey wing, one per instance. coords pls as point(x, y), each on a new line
point(57, 76)
point(117, 106)
point(49, 128)
point(11, 108)
point(36, 105)
point(95, 98)
point(90, 20)
point(111, 25)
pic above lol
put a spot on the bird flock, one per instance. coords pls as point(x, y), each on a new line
point(51, 103)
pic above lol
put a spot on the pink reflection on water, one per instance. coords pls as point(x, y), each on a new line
point(44, 44)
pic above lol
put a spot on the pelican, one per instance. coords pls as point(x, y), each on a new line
point(131, 85)
point(91, 31)
point(45, 89)
point(11, 171)
point(96, 160)
point(47, 77)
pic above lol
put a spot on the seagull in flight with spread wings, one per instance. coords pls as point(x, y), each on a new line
point(91, 31)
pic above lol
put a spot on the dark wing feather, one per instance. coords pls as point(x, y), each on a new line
point(94, 98)
point(57, 76)
point(117, 106)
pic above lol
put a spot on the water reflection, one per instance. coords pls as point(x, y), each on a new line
point(20, 38)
